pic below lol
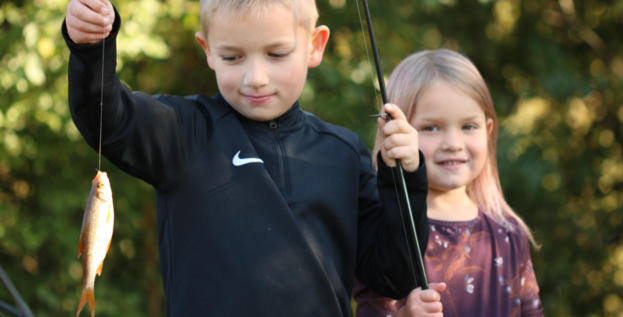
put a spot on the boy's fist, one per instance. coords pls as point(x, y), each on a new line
point(423, 303)
point(400, 140)
point(89, 21)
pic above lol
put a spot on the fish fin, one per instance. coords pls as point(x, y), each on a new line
point(80, 246)
point(109, 242)
point(109, 210)
point(87, 295)
point(99, 269)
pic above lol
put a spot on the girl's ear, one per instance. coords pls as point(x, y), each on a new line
point(319, 38)
point(203, 41)
point(489, 126)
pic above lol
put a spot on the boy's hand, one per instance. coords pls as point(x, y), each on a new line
point(400, 140)
point(89, 21)
point(423, 303)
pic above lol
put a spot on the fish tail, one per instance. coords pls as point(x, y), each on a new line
point(87, 295)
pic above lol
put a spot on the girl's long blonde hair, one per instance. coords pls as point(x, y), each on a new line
point(408, 83)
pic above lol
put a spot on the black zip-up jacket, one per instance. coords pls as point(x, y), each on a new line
point(240, 237)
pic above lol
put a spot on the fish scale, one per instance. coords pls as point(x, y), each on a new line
point(95, 236)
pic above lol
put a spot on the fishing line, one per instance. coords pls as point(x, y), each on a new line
point(365, 44)
point(99, 163)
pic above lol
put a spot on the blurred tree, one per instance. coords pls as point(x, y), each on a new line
point(554, 68)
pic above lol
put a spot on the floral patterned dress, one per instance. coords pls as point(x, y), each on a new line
point(486, 266)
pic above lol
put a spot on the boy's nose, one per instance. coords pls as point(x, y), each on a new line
point(256, 76)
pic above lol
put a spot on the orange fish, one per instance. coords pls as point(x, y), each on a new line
point(95, 236)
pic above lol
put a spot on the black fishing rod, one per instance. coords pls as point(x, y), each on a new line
point(420, 263)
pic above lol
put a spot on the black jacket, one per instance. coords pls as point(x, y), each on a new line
point(282, 237)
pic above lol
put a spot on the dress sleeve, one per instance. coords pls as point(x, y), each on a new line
point(529, 291)
point(385, 260)
point(150, 137)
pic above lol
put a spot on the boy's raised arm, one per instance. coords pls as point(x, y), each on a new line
point(150, 137)
point(388, 261)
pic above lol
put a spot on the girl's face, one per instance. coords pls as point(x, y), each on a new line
point(453, 133)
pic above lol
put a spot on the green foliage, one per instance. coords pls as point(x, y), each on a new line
point(554, 68)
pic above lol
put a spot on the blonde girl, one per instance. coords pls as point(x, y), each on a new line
point(478, 246)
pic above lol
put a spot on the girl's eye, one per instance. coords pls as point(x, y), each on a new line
point(275, 55)
point(430, 128)
point(469, 127)
point(229, 58)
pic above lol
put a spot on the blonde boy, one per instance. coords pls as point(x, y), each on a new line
point(263, 209)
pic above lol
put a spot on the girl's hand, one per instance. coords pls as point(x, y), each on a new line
point(400, 140)
point(423, 303)
point(89, 21)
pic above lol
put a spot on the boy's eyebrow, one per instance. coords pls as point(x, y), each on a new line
point(230, 47)
point(227, 47)
point(281, 43)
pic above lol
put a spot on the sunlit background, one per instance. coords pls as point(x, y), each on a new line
point(554, 68)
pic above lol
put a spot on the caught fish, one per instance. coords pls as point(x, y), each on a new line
point(95, 236)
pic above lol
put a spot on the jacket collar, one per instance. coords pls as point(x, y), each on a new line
point(289, 120)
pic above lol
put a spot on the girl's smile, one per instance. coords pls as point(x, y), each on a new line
point(452, 164)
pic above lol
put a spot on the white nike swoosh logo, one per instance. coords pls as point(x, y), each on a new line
point(239, 162)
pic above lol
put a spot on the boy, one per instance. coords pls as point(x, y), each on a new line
point(263, 210)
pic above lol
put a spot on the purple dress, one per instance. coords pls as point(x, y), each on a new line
point(486, 267)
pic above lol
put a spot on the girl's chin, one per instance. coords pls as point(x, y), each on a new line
point(447, 187)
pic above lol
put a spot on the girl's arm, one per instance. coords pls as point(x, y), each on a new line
point(529, 292)
point(419, 303)
point(423, 303)
point(371, 304)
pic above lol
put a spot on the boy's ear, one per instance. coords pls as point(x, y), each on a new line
point(203, 41)
point(319, 38)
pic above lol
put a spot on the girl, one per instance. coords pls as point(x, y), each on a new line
point(477, 245)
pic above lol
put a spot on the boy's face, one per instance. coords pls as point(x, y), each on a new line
point(261, 61)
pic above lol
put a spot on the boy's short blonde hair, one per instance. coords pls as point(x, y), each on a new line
point(304, 12)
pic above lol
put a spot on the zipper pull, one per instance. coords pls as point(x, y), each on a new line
point(272, 124)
